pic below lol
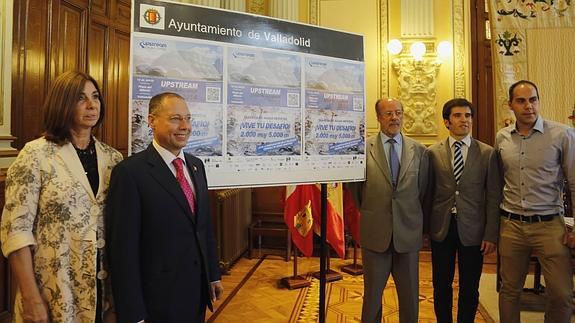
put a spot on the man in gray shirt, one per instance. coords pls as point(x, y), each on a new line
point(536, 157)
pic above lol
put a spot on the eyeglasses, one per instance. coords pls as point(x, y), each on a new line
point(177, 118)
point(389, 114)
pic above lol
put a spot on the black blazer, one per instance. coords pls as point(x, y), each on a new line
point(161, 257)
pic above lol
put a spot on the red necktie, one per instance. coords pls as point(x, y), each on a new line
point(184, 184)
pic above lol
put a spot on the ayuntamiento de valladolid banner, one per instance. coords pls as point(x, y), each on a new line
point(272, 102)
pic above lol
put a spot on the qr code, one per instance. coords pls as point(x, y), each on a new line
point(357, 104)
point(293, 100)
point(213, 94)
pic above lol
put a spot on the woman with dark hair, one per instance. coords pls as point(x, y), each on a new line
point(52, 228)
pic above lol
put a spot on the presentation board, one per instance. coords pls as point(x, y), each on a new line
point(272, 102)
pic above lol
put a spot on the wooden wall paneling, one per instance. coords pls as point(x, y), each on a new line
point(98, 39)
point(30, 59)
point(116, 127)
point(268, 202)
point(122, 13)
point(98, 58)
point(99, 7)
point(51, 37)
point(68, 41)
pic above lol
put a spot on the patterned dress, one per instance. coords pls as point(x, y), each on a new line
point(51, 207)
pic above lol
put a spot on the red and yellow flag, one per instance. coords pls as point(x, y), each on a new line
point(302, 212)
point(351, 215)
point(335, 224)
point(298, 217)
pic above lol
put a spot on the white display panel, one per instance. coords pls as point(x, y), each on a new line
point(272, 102)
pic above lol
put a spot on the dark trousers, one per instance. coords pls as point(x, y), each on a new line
point(470, 263)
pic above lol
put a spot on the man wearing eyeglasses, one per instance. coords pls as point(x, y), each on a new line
point(390, 202)
point(163, 258)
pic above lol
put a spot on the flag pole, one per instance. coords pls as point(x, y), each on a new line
point(295, 281)
point(325, 274)
point(323, 248)
point(355, 268)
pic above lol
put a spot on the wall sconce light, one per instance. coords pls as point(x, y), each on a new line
point(444, 49)
point(394, 47)
point(418, 49)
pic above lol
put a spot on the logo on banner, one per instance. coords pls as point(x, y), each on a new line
point(152, 16)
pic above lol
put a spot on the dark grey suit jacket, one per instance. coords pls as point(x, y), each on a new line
point(478, 194)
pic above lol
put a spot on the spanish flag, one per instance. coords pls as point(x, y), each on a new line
point(302, 213)
point(351, 215)
point(298, 216)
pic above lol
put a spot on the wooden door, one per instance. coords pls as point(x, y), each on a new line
point(482, 84)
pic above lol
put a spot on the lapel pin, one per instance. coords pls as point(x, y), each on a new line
point(194, 168)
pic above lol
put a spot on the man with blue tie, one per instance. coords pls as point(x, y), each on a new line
point(162, 251)
point(464, 192)
point(390, 201)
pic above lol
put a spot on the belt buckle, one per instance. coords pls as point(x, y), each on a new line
point(538, 218)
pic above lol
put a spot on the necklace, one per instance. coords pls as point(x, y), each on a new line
point(89, 150)
point(89, 162)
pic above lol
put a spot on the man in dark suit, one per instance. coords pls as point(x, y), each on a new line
point(465, 193)
point(162, 249)
point(390, 202)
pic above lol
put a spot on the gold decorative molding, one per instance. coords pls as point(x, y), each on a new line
point(257, 7)
point(384, 59)
point(418, 92)
point(459, 49)
point(3, 22)
point(314, 12)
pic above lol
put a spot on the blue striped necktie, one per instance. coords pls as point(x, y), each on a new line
point(457, 161)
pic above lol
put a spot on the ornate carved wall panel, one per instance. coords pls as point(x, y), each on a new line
point(459, 49)
point(257, 6)
point(417, 92)
point(384, 61)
